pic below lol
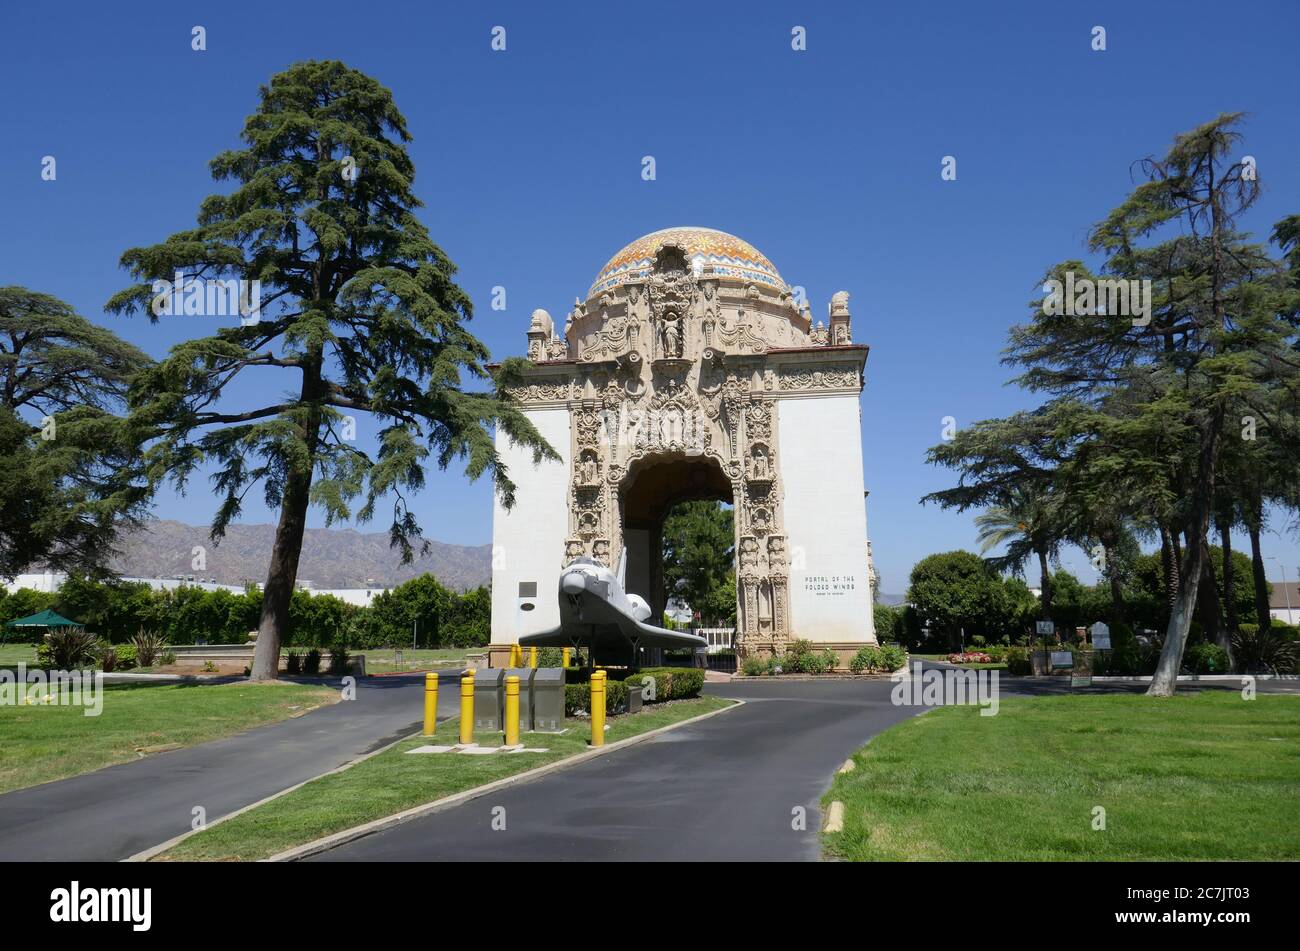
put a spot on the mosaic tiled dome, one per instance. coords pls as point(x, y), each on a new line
point(729, 256)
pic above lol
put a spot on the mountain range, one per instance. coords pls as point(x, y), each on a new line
point(331, 558)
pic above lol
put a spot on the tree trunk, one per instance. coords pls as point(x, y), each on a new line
point(1169, 563)
point(1209, 607)
point(1046, 584)
point(1116, 584)
point(1165, 681)
point(1253, 525)
point(1229, 590)
point(1116, 600)
point(281, 576)
point(282, 573)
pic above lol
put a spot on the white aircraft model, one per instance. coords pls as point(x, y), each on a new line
point(596, 612)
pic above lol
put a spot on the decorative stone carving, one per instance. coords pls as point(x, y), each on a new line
point(676, 354)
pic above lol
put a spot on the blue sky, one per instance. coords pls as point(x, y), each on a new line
point(529, 163)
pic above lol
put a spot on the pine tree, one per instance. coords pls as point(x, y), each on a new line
point(69, 486)
point(360, 314)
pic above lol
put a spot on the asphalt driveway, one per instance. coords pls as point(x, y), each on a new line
point(113, 813)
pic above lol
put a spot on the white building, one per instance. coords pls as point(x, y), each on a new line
point(50, 581)
point(1284, 603)
point(691, 370)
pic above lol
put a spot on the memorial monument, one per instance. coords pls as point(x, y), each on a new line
point(691, 370)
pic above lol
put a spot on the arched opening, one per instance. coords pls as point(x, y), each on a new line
point(654, 486)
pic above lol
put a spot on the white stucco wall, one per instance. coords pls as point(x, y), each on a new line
point(825, 518)
point(637, 544)
point(528, 540)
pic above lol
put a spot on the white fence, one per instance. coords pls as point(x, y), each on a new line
point(718, 638)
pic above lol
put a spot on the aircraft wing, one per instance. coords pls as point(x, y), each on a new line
point(648, 635)
point(555, 637)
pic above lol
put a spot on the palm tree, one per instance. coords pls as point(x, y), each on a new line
point(1028, 523)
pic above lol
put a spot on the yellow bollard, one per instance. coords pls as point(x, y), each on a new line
point(467, 708)
point(598, 708)
point(564, 655)
point(430, 703)
point(516, 656)
point(512, 711)
point(532, 657)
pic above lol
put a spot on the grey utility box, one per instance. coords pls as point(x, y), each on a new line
point(548, 700)
point(489, 699)
point(525, 675)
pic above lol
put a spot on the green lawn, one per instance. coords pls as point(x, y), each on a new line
point(1198, 776)
point(384, 661)
point(11, 654)
point(43, 742)
point(393, 781)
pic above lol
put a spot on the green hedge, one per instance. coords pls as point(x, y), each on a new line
point(577, 697)
point(675, 683)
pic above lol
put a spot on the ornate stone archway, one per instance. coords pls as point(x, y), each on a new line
point(691, 346)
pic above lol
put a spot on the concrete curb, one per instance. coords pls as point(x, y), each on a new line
point(149, 853)
point(1208, 678)
point(790, 678)
point(447, 802)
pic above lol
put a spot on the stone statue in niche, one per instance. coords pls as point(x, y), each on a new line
point(672, 336)
point(600, 552)
point(760, 468)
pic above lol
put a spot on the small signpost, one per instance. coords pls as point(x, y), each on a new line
point(1045, 629)
point(1100, 637)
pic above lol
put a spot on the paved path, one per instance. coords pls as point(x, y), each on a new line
point(722, 789)
point(116, 812)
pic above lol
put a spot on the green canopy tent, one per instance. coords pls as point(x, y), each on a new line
point(47, 619)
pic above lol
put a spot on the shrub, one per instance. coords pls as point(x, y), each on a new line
point(577, 698)
point(550, 657)
point(1288, 632)
point(970, 657)
point(755, 667)
point(311, 663)
point(1206, 659)
point(675, 683)
point(117, 657)
point(293, 663)
point(339, 660)
point(209, 667)
point(894, 656)
point(1265, 651)
point(148, 646)
point(1018, 662)
point(687, 683)
point(830, 660)
point(799, 658)
point(166, 658)
point(868, 658)
point(68, 648)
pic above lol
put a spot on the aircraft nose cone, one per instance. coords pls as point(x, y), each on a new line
point(573, 583)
